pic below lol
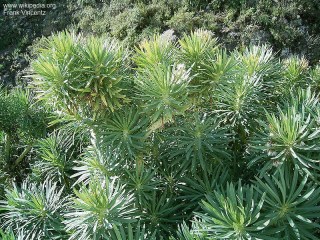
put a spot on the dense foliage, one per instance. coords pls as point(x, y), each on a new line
point(176, 139)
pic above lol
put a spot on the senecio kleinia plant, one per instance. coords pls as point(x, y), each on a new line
point(175, 139)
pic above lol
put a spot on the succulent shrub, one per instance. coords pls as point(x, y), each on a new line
point(183, 139)
point(249, 89)
point(195, 187)
point(235, 101)
point(160, 212)
point(257, 60)
point(184, 233)
point(302, 99)
point(197, 141)
point(291, 203)
point(195, 50)
point(55, 158)
point(157, 50)
point(35, 210)
point(124, 130)
point(142, 181)
point(287, 138)
point(97, 164)
point(22, 121)
point(163, 92)
point(96, 208)
point(218, 68)
point(234, 213)
point(196, 47)
point(294, 73)
point(81, 76)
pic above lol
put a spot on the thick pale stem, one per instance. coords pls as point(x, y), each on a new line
point(93, 138)
point(23, 154)
point(7, 147)
point(157, 125)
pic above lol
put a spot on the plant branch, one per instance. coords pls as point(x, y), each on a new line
point(23, 154)
point(7, 146)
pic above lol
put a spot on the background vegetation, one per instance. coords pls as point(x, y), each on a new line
point(289, 26)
